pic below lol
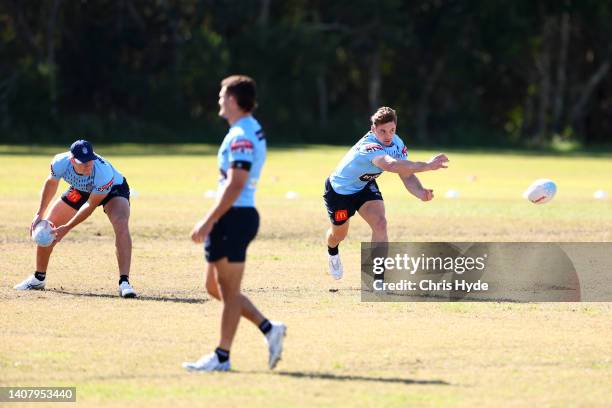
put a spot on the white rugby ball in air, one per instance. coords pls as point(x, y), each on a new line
point(541, 191)
point(600, 194)
point(42, 234)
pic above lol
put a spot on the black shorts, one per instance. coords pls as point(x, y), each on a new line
point(341, 207)
point(232, 234)
point(76, 198)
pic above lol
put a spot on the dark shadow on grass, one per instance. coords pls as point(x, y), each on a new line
point(139, 298)
point(339, 377)
point(292, 374)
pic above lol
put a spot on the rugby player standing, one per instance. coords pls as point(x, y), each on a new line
point(232, 223)
point(352, 186)
point(93, 182)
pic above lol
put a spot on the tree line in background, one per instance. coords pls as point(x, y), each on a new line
point(473, 72)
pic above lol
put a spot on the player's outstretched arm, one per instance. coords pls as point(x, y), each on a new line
point(236, 180)
point(407, 167)
point(47, 194)
point(414, 186)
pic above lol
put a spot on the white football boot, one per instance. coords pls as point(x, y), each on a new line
point(274, 339)
point(126, 290)
point(209, 362)
point(31, 283)
point(335, 266)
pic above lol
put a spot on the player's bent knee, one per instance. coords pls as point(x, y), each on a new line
point(380, 224)
point(228, 290)
point(212, 287)
point(339, 233)
point(338, 236)
point(121, 221)
point(212, 291)
point(121, 225)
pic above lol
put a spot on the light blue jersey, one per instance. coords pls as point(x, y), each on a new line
point(356, 168)
point(244, 147)
point(102, 178)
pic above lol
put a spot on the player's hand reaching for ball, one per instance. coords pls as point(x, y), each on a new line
point(60, 232)
point(439, 161)
point(35, 221)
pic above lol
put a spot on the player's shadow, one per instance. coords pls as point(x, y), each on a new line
point(339, 377)
point(139, 298)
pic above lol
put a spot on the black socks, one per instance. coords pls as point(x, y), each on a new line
point(41, 277)
point(265, 326)
point(222, 355)
point(333, 251)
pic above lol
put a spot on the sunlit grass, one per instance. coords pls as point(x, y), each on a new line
point(339, 351)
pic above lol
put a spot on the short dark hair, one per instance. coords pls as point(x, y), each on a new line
point(242, 88)
point(384, 115)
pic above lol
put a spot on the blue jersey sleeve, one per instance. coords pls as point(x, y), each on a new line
point(241, 152)
point(59, 165)
point(371, 150)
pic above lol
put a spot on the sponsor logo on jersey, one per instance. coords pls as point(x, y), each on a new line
point(341, 215)
point(371, 147)
point(107, 185)
point(242, 146)
point(52, 172)
point(404, 151)
point(369, 176)
point(260, 134)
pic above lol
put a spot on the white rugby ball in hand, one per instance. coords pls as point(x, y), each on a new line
point(541, 191)
point(42, 234)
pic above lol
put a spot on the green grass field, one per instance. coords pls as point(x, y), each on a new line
point(339, 351)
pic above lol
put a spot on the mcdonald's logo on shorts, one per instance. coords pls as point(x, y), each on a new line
point(73, 196)
point(341, 215)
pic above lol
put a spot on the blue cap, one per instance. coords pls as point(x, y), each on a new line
point(82, 151)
